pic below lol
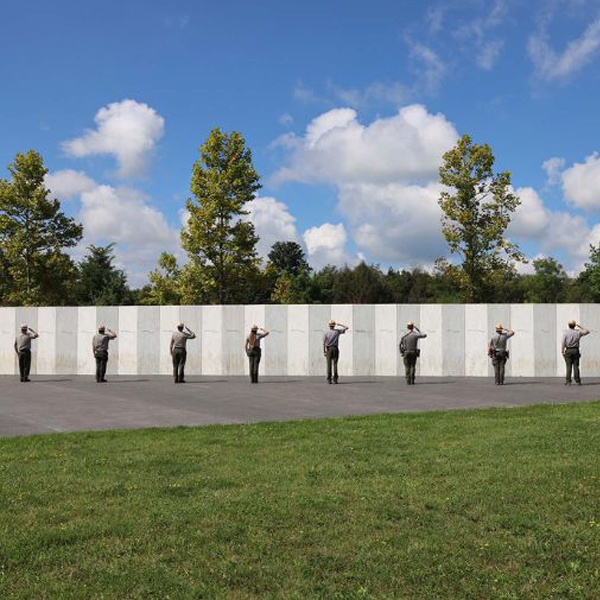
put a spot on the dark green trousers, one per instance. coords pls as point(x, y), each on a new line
point(254, 359)
point(24, 364)
point(333, 355)
point(101, 362)
point(179, 356)
point(572, 363)
point(410, 365)
point(499, 362)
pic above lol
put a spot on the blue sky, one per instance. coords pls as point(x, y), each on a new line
point(347, 107)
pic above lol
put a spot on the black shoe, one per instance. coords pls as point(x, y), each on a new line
point(329, 381)
point(103, 381)
point(567, 383)
point(176, 381)
point(335, 381)
point(26, 379)
point(182, 381)
point(579, 383)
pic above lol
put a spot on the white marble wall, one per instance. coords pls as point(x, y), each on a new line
point(456, 343)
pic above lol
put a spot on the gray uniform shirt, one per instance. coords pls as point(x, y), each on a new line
point(410, 340)
point(331, 337)
point(100, 341)
point(571, 337)
point(24, 341)
point(180, 339)
point(499, 340)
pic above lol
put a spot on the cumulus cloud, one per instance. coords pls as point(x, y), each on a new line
point(581, 183)
point(553, 167)
point(326, 245)
point(552, 230)
point(127, 130)
point(394, 223)
point(68, 183)
point(273, 223)
point(124, 216)
point(337, 148)
point(552, 65)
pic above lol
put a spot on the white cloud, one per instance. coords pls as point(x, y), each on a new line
point(532, 218)
point(394, 223)
point(286, 120)
point(128, 130)
point(273, 223)
point(554, 167)
point(489, 53)
point(552, 65)
point(379, 92)
point(429, 67)
point(326, 245)
point(581, 183)
point(68, 183)
point(338, 149)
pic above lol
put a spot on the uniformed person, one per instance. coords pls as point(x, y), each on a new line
point(23, 350)
point(331, 349)
point(179, 352)
point(498, 351)
point(570, 349)
point(100, 349)
point(409, 349)
point(253, 351)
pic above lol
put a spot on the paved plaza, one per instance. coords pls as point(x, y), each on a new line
point(77, 403)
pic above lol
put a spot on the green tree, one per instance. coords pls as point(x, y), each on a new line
point(364, 284)
point(34, 233)
point(587, 283)
point(221, 245)
point(165, 283)
point(100, 282)
point(288, 257)
point(477, 209)
point(549, 283)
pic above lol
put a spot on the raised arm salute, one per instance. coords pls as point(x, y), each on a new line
point(178, 350)
point(100, 350)
point(498, 351)
point(253, 350)
point(570, 350)
point(331, 349)
point(409, 350)
point(23, 350)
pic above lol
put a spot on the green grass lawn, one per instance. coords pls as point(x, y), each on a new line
point(501, 503)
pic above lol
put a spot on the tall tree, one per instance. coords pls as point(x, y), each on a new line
point(288, 257)
point(476, 212)
point(220, 243)
point(548, 283)
point(165, 282)
point(588, 281)
point(34, 233)
point(100, 282)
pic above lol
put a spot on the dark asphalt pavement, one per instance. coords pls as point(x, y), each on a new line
point(77, 403)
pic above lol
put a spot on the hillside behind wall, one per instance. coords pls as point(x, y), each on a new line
point(456, 344)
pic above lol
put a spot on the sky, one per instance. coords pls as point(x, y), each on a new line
point(347, 106)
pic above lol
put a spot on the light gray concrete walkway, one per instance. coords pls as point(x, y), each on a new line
point(78, 403)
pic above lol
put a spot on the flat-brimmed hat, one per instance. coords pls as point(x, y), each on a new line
point(410, 324)
point(254, 328)
point(24, 326)
point(573, 322)
point(499, 326)
point(332, 323)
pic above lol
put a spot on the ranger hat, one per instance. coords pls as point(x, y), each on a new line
point(331, 323)
point(254, 328)
point(24, 326)
point(101, 327)
point(410, 324)
point(180, 325)
point(572, 323)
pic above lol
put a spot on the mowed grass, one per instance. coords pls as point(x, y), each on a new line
point(501, 503)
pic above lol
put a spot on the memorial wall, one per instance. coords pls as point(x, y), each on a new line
point(456, 343)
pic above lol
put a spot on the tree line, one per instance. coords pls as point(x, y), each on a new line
point(223, 266)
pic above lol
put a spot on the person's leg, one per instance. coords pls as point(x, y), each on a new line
point(103, 366)
point(175, 361)
point(329, 363)
point(22, 365)
point(496, 364)
point(576, 373)
point(27, 365)
point(413, 368)
point(502, 366)
point(257, 364)
point(406, 359)
point(336, 356)
point(569, 366)
point(182, 358)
